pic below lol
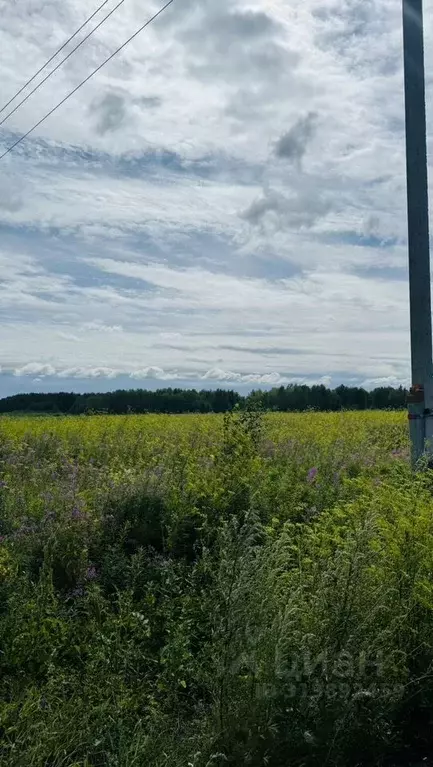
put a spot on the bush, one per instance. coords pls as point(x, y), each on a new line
point(205, 591)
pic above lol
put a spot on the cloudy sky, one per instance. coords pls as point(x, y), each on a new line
point(224, 203)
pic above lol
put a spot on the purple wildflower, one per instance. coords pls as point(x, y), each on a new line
point(269, 448)
point(312, 474)
point(78, 592)
point(25, 530)
point(397, 453)
point(76, 513)
point(3, 485)
point(91, 574)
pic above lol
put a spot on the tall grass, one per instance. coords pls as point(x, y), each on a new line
point(209, 591)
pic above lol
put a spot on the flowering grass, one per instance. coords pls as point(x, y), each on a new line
point(206, 590)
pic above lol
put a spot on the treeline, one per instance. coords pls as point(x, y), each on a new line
point(293, 397)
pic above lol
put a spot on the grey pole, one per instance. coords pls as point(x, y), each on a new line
point(420, 402)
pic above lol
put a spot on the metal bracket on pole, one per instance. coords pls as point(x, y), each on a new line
point(417, 421)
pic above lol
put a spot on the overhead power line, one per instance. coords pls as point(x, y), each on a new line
point(47, 77)
point(5, 106)
point(68, 96)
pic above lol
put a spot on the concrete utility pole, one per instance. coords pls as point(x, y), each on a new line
point(420, 402)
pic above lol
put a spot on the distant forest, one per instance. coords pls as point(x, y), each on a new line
point(284, 398)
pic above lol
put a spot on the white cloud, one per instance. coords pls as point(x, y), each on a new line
point(87, 372)
point(68, 336)
point(35, 368)
point(152, 373)
point(171, 336)
point(73, 373)
point(228, 196)
point(216, 374)
point(99, 327)
point(228, 376)
point(374, 383)
point(101, 373)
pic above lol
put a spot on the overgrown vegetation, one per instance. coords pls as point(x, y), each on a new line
point(206, 591)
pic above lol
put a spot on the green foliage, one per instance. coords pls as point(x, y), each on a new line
point(208, 591)
point(294, 397)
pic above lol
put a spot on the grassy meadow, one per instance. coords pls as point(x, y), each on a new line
point(200, 591)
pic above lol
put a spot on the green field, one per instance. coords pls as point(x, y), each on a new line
point(200, 591)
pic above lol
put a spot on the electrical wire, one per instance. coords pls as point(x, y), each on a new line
point(5, 106)
point(71, 93)
point(47, 77)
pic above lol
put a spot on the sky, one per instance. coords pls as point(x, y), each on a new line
point(223, 204)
